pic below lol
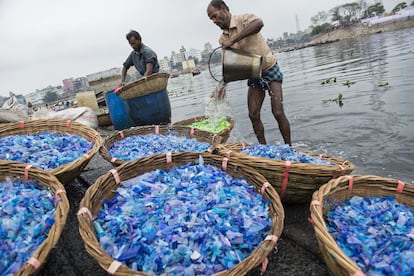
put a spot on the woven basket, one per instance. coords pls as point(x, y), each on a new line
point(69, 171)
point(104, 187)
point(345, 187)
point(223, 135)
point(20, 170)
point(144, 86)
point(294, 185)
point(199, 135)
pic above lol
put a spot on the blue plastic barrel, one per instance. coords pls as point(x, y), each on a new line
point(150, 109)
point(118, 111)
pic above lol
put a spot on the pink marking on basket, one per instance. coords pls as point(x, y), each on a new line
point(87, 156)
point(400, 187)
point(85, 210)
point(68, 123)
point(121, 133)
point(342, 169)
point(243, 145)
point(113, 159)
point(265, 263)
point(116, 89)
point(26, 172)
point(228, 154)
point(313, 203)
point(350, 182)
point(114, 267)
point(21, 124)
point(168, 157)
point(359, 273)
point(224, 163)
point(271, 238)
point(116, 176)
point(285, 179)
point(157, 130)
point(263, 188)
point(57, 193)
point(210, 150)
point(34, 262)
point(321, 155)
point(192, 131)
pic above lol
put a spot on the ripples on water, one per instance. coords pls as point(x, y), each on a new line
point(374, 128)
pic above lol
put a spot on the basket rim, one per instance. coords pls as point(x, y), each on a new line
point(60, 126)
point(127, 92)
point(361, 185)
point(47, 180)
point(134, 168)
point(149, 129)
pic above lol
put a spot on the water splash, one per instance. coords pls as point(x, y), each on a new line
point(217, 106)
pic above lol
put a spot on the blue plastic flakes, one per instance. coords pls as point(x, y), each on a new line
point(144, 145)
point(189, 220)
point(283, 152)
point(377, 233)
point(26, 215)
point(46, 150)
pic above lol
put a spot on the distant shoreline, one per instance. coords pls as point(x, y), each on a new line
point(361, 29)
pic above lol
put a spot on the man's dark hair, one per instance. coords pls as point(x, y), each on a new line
point(133, 33)
point(218, 4)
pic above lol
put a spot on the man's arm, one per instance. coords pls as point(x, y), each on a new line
point(252, 28)
point(148, 69)
point(123, 75)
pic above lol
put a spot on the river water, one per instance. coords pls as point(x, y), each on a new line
point(373, 125)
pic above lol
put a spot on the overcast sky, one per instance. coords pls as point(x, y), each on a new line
point(43, 42)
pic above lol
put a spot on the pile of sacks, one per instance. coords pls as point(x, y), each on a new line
point(14, 111)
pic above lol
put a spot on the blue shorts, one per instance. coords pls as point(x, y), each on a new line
point(273, 74)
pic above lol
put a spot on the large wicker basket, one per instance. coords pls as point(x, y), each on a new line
point(104, 187)
point(69, 171)
point(222, 135)
point(345, 187)
point(144, 86)
point(202, 136)
point(25, 172)
point(295, 182)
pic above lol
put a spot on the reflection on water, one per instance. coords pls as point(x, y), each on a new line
point(373, 126)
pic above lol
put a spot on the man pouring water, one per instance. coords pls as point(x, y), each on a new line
point(243, 32)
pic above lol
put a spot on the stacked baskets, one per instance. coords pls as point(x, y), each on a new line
point(103, 189)
point(23, 171)
point(295, 182)
point(223, 135)
point(69, 171)
point(199, 135)
point(340, 189)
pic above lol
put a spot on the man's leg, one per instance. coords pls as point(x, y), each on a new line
point(255, 97)
point(276, 97)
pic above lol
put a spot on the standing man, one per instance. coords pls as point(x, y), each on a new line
point(142, 57)
point(243, 32)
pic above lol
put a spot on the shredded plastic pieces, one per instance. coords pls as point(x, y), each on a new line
point(283, 152)
point(46, 150)
point(212, 126)
point(377, 233)
point(26, 215)
point(190, 220)
point(144, 145)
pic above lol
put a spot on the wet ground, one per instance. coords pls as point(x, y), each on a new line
point(297, 250)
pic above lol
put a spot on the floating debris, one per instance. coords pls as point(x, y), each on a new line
point(383, 84)
point(348, 83)
point(330, 80)
point(337, 100)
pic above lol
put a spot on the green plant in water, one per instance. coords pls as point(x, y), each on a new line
point(383, 84)
point(330, 80)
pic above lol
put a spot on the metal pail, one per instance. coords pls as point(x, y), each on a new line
point(239, 65)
